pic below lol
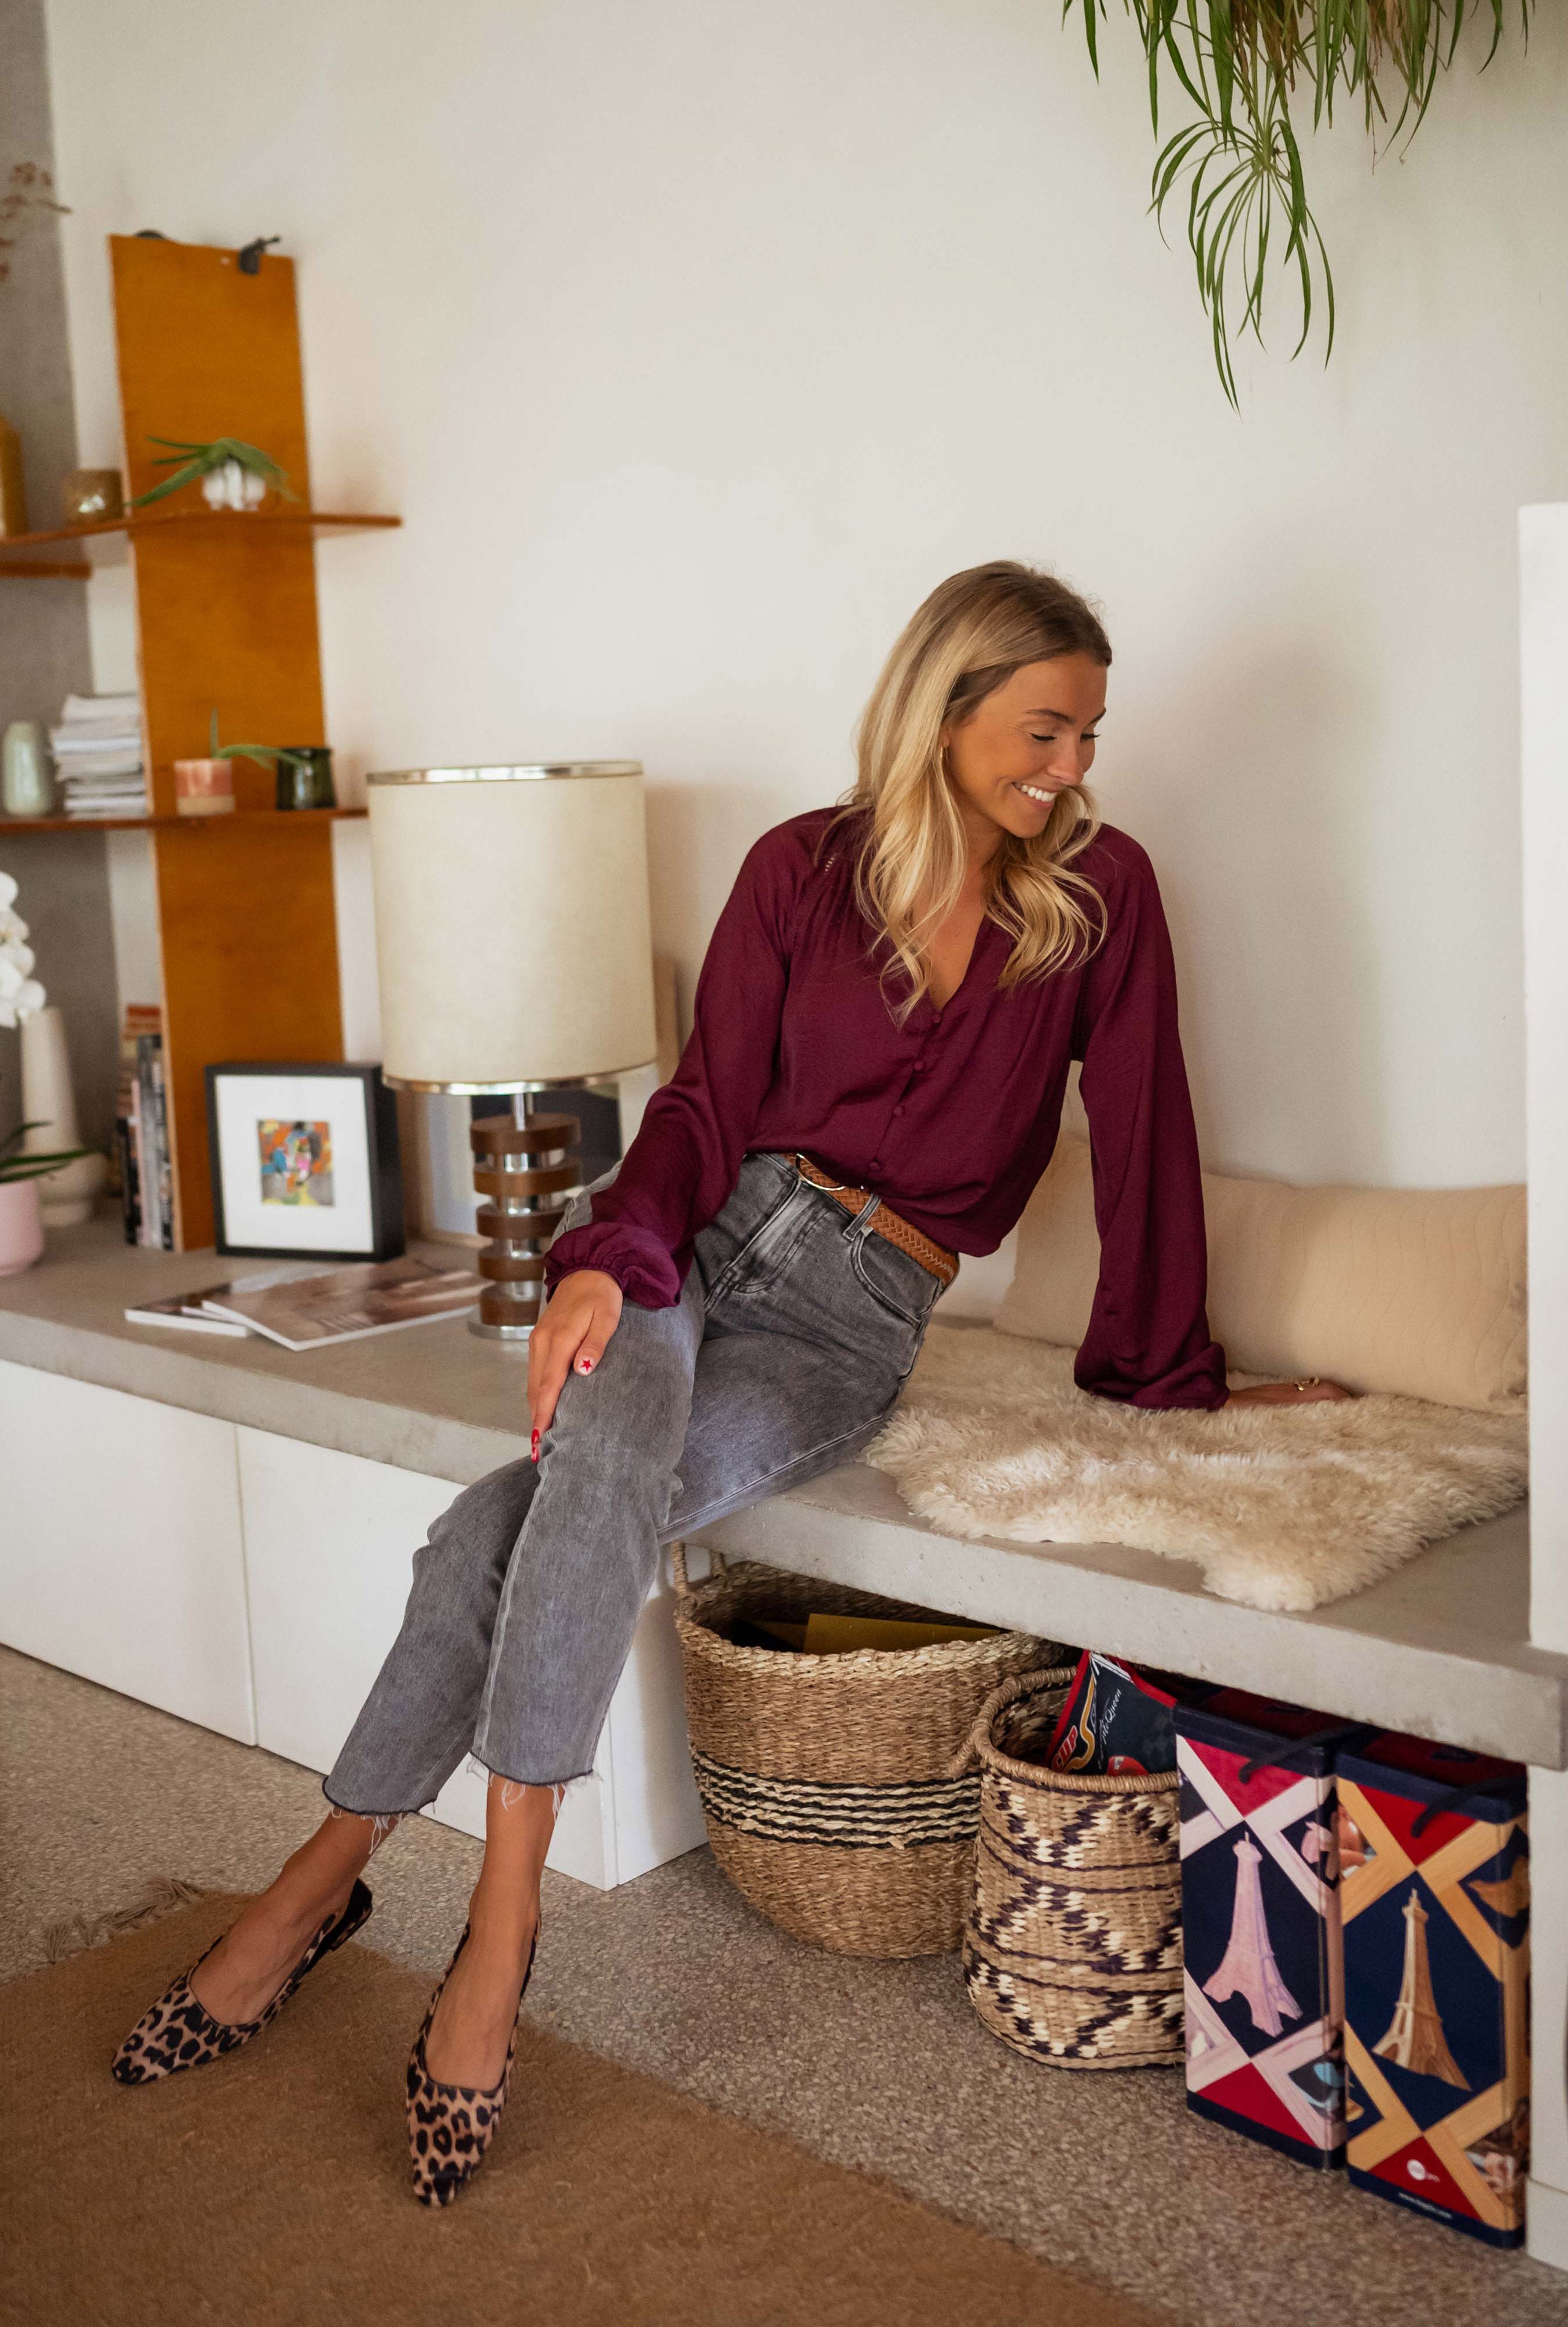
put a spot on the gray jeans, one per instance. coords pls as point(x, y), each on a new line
point(794, 1333)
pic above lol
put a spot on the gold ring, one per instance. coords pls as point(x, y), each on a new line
point(1310, 1382)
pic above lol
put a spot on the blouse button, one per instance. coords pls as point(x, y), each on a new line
point(898, 1110)
point(876, 1162)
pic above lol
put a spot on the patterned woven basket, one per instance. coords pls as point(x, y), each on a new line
point(826, 1780)
point(1072, 1950)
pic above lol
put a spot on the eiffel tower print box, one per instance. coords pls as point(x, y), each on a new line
point(1435, 1897)
point(1260, 1919)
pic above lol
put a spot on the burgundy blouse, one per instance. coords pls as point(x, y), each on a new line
point(950, 1117)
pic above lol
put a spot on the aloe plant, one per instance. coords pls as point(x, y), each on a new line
point(1240, 62)
point(271, 756)
point(191, 462)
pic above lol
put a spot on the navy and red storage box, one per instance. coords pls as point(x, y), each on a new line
point(1356, 1938)
point(1434, 1894)
point(1260, 1917)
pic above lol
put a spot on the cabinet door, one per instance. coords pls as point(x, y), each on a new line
point(329, 1542)
point(120, 1554)
point(329, 1546)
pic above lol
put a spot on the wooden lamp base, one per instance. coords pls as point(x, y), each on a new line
point(525, 1169)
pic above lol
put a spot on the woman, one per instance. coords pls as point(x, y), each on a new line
point(884, 1025)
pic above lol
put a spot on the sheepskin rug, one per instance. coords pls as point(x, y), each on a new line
point(1283, 1506)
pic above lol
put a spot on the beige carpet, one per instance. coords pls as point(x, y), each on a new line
point(1283, 1506)
point(271, 2186)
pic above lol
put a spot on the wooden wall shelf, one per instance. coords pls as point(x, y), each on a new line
point(48, 569)
point(198, 520)
point(301, 815)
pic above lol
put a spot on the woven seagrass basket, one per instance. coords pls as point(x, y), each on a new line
point(826, 1780)
point(1072, 1950)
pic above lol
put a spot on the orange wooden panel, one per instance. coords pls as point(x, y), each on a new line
point(250, 970)
point(227, 617)
point(206, 351)
point(227, 623)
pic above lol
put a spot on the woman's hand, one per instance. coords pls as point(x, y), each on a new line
point(1291, 1393)
point(571, 1337)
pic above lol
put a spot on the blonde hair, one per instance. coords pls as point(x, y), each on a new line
point(973, 632)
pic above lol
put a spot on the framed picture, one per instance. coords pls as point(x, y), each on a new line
point(305, 1160)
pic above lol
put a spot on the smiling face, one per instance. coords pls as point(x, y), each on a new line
point(1029, 740)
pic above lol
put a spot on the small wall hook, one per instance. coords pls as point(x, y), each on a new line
point(250, 257)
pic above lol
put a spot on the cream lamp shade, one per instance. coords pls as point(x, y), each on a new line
point(512, 933)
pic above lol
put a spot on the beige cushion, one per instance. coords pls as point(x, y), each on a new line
point(1417, 1291)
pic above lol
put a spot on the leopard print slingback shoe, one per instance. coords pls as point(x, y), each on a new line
point(452, 2126)
point(178, 2033)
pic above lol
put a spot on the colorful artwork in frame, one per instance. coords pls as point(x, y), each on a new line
point(305, 1160)
point(296, 1163)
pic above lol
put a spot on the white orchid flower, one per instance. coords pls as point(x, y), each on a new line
point(20, 994)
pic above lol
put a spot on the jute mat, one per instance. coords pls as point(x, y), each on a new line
point(271, 2186)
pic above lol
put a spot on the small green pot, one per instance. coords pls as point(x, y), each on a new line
point(304, 779)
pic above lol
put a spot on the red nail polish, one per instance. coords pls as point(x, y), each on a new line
point(534, 1450)
point(585, 1365)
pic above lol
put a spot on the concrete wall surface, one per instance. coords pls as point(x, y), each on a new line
point(43, 633)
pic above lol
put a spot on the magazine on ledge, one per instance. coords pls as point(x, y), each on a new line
point(185, 1310)
point(346, 1304)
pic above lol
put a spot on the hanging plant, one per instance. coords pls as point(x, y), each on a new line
point(1240, 62)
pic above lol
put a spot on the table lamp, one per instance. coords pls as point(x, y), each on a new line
point(514, 953)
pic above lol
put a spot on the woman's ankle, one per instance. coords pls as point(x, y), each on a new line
point(500, 1923)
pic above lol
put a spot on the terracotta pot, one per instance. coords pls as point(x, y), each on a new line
point(204, 787)
point(21, 1229)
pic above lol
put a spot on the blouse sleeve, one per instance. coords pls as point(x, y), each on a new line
point(1148, 1343)
point(682, 1167)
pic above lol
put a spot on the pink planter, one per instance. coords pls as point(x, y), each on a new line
point(204, 787)
point(21, 1229)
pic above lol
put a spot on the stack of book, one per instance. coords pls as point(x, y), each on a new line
point(142, 1131)
point(98, 750)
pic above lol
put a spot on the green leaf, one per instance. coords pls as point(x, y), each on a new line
point(38, 1167)
point(1237, 62)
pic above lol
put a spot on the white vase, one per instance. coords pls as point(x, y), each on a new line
point(21, 1229)
point(233, 487)
point(48, 1103)
point(26, 786)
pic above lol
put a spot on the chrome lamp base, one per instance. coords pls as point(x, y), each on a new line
point(489, 1333)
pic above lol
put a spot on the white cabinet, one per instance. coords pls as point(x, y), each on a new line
point(120, 1551)
point(329, 1541)
point(328, 1545)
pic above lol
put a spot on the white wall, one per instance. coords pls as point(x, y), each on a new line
point(1543, 628)
point(694, 342)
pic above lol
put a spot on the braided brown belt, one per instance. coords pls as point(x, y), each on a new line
point(934, 1257)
